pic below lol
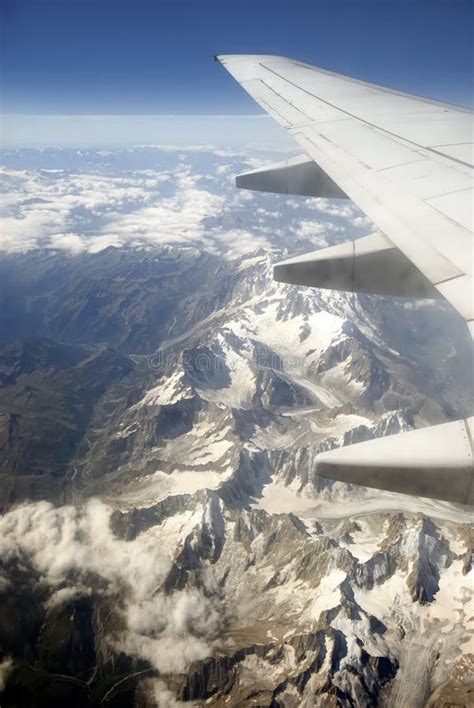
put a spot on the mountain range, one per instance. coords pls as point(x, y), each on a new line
point(164, 539)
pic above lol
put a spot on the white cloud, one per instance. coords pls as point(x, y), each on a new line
point(40, 209)
point(64, 595)
point(318, 230)
point(170, 631)
point(60, 540)
point(160, 695)
point(5, 667)
point(129, 211)
point(332, 207)
point(177, 219)
point(68, 242)
point(343, 209)
point(91, 210)
point(237, 242)
point(362, 222)
point(223, 169)
point(71, 546)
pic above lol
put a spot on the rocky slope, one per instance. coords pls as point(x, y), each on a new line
point(194, 599)
point(165, 539)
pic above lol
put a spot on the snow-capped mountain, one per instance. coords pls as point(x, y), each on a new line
point(164, 539)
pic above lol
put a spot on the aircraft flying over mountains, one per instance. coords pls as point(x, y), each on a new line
point(407, 162)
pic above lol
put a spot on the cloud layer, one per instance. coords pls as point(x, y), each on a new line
point(87, 201)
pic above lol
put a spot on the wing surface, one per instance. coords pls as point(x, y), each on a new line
point(406, 161)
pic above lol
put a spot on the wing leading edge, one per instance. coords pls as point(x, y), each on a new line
point(408, 163)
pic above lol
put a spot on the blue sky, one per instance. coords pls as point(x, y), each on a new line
point(153, 57)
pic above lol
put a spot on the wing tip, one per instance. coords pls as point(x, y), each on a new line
point(223, 58)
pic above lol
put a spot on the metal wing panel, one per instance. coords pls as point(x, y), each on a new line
point(457, 205)
point(429, 179)
point(274, 104)
point(426, 123)
point(439, 246)
point(463, 152)
point(404, 160)
point(370, 147)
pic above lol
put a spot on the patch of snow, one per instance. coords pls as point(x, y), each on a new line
point(206, 444)
point(170, 390)
point(327, 397)
point(328, 594)
point(158, 486)
point(366, 541)
point(175, 528)
point(277, 498)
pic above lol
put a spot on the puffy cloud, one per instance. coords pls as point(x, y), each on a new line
point(177, 219)
point(45, 206)
point(68, 242)
point(170, 631)
point(343, 209)
point(223, 169)
point(64, 595)
point(111, 200)
point(159, 694)
point(317, 230)
point(5, 667)
point(362, 222)
point(95, 244)
point(332, 207)
point(60, 540)
point(74, 548)
point(237, 242)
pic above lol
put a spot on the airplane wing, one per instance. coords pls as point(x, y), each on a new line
point(408, 164)
point(406, 161)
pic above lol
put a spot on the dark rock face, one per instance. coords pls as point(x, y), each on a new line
point(206, 369)
point(21, 615)
point(47, 398)
point(118, 298)
point(177, 419)
point(434, 554)
point(215, 678)
point(35, 689)
point(275, 390)
point(66, 641)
